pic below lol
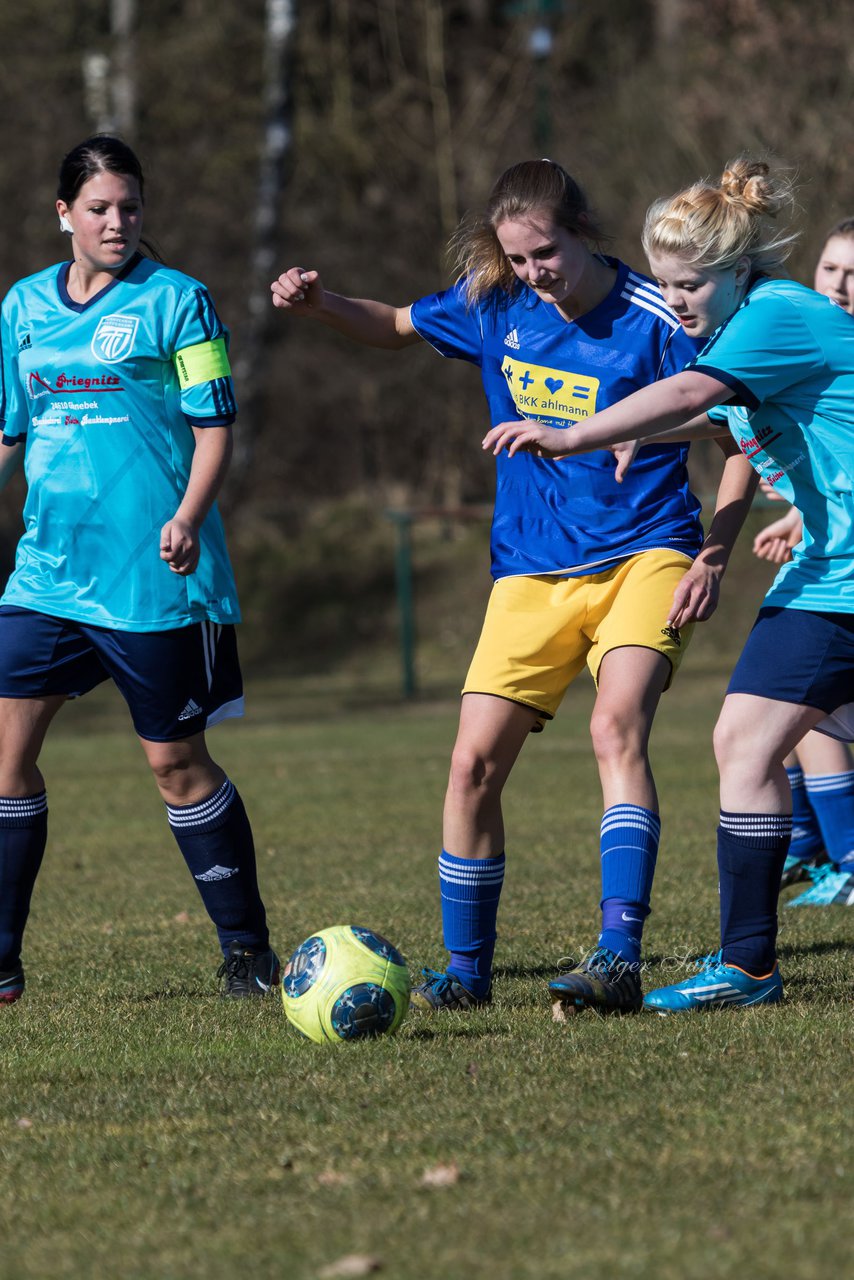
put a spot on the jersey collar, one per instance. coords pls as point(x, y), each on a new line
point(68, 301)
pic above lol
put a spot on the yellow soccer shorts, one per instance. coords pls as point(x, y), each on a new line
point(540, 630)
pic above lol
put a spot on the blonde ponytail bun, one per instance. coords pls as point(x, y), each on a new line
point(713, 226)
point(749, 183)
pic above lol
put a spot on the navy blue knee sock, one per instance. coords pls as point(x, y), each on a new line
point(752, 848)
point(23, 836)
point(470, 889)
point(215, 838)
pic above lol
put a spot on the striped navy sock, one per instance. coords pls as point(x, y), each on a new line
point(215, 838)
point(752, 848)
point(23, 836)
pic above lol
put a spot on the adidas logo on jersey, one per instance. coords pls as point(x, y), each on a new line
point(192, 709)
point(512, 339)
point(25, 342)
point(216, 873)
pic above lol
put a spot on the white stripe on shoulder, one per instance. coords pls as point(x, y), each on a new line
point(651, 300)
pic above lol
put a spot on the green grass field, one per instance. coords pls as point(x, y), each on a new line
point(150, 1130)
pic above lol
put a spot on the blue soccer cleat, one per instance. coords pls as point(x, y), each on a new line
point(797, 869)
point(11, 985)
point(716, 986)
point(831, 886)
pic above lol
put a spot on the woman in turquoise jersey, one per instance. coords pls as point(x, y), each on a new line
point(780, 364)
point(117, 397)
point(820, 769)
point(585, 570)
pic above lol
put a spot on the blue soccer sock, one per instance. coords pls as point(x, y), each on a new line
point(23, 836)
point(215, 838)
point(752, 848)
point(806, 834)
point(470, 889)
point(832, 798)
point(629, 842)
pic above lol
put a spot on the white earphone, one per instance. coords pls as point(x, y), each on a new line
point(65, 225)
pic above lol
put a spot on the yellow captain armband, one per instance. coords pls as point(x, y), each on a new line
point(202, 363)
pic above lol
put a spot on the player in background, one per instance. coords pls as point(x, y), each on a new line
point(820, 769)
point(585, 569)
point(117, 397)
point(778, 371)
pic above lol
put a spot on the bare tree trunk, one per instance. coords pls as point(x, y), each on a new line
point(110, 78)
point(446, 179)
point(276, 142)
point(123, 23)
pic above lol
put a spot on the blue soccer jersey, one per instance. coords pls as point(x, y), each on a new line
point(570, 516)
point(106, 394)
point(788, 354)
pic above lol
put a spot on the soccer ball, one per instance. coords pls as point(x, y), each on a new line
point(345, 983)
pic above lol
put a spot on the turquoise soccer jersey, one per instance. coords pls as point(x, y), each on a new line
point(570, 516)
point(788, 355)
point(106, 394)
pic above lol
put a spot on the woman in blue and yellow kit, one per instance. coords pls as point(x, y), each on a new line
point(117, 397)
point(585, 568)
point(778, 373)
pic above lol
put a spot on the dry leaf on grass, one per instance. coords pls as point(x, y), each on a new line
point(331, 1178)
point(563, 1010)
point(441, 1175)
point(352, 1264)
point(183, 917)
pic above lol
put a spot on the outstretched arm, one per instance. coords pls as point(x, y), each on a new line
point(179, 538)
point(375, 324)
point(696, 597)
point(660, 407)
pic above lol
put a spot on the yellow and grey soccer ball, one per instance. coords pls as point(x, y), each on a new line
point(345, 983)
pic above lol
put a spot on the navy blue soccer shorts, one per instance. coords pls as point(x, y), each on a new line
point(176, 683)
point(795, 655)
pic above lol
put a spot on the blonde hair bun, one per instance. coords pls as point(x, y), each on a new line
point(714, 225)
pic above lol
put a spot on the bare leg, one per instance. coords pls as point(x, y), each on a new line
point(491, 734)
point(631, 682)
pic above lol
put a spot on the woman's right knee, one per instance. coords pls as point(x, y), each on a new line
point(473, 774)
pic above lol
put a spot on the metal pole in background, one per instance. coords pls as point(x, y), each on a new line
point(402, 521)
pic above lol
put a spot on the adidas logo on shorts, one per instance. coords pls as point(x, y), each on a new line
point(192, 709)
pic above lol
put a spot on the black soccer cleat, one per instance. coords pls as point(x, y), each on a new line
point(245, 972)
point(445, 991)
point(11, 985)
point(603, 982)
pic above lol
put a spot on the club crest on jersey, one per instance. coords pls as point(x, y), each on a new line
point(113, 340)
